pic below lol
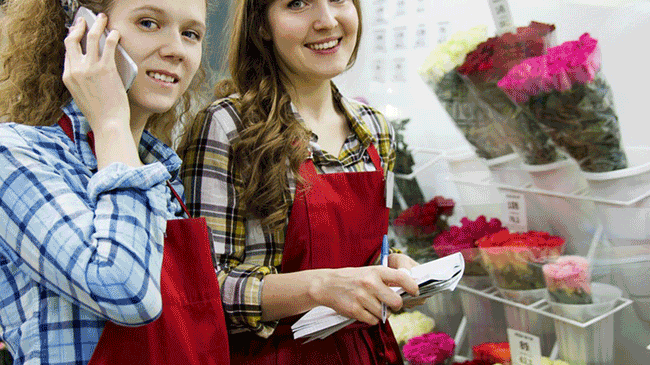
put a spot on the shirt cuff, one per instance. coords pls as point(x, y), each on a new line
point(241, 293)
point(120, 176)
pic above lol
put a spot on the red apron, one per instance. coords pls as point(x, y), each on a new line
point(338, 221)
point(192, 327)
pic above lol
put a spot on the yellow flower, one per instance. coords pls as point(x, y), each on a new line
point(410, 324)
point(448, 55)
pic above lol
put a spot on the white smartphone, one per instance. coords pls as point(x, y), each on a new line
point(126, 67)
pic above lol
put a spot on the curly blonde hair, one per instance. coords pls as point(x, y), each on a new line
point(32, 53)
point(272, 143)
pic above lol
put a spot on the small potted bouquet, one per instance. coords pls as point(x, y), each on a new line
point(568, 280)
point(419, 224)
point(464, 239)
point(567, 93)
point(435, 348)
point(489, 63)
point(514, 260)
point(493, 352)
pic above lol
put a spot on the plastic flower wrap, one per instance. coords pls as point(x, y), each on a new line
point(567, 93)
point(514, 260)
point(430, 349)
point(417, 225)
point(439, 73)
point(489, 63)
point(464, 239)
point(407, 325)
point(493, 352)
point(568, 280)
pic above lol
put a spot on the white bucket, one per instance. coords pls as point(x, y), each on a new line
point(594, 344)
point(625, 225)
point(574, 220)
point(485, 319)
point(507, 170)
point(475, 200)
point(445, 309)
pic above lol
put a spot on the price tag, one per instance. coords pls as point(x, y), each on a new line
point(524, 348)
point(389, 186)
point(379, 70)
point(420, 7)
point(399, 69)
point(515, 214)
point(443, 31)
point(400, 8)
point(502, 16)
point(380, 12)
point(420, 36)
point(379, 40)
point(399, 37)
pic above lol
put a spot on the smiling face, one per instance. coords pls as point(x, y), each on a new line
point(313, 39)
point(164, 39)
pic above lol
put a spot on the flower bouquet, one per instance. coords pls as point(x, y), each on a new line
point(489, 63)
point(439, 72)
point(514, 260)
point(419, 224)
point(464, 239)
point(568, 280)
point(493, 352)
point(567, 93)
point(434, 348)
point(407, 325)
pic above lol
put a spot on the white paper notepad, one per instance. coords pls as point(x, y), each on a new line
point(431, 277)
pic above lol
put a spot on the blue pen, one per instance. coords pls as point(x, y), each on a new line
point(384, 262)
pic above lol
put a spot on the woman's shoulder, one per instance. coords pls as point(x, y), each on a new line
point(368, 115)
point(223, 114)
point(18, 135)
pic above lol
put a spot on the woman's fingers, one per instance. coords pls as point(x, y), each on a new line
point(393, 277)
point(73, 39)
point(94, 34)
point(108, 57)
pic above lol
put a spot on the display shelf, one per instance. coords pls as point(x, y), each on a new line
point(577, 195)
point(542, 306)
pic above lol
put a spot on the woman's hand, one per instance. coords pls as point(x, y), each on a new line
point(93, 79)
point(358, 292)
point(401, 261)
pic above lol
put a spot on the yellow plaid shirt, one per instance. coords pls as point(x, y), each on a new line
point(243, 253)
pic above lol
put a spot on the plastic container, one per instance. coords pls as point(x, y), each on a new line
point(593, 344)
point(507, 170)
point(485, 319)
point(573, 219)
point(624, 225)
point(446, 310)
point(475, 200)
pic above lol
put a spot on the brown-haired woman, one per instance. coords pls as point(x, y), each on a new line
point(88, 202)
point(290, 176)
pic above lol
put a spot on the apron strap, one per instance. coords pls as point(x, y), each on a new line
point(66, 125)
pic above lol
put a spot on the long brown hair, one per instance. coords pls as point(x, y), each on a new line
point(272, 142)
point(31, 64)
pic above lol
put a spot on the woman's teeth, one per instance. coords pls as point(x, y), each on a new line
point(322, 46)
point(161, 77)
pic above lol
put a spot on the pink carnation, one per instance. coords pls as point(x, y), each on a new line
point(431, 348)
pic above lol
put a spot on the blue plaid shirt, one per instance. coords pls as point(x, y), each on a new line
point(77, 246)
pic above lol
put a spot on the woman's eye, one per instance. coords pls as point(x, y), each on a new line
point(296, 4)
point(192, 35)
point(148, 24)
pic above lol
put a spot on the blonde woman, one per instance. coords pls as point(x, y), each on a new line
point(291, 175)
point(89, 190)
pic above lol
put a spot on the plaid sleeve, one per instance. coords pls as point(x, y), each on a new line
point(101, 248)
point(243, 254)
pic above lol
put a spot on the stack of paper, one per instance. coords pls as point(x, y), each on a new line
point(432, 277)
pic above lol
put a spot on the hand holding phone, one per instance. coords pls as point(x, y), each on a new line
point(126, 67)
